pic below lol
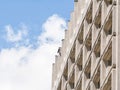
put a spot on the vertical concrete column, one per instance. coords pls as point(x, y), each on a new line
point(53, 74)
point(113, 83)
point(79, 9)
point(103, 12)
point(114, 37)
point(76, 12)
point(118, 44)
point(83, 81)
point(69, 29)
point(72, 23)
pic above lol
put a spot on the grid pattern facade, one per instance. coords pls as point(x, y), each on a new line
point(89, 56)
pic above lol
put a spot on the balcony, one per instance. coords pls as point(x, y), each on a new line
point(78, 68)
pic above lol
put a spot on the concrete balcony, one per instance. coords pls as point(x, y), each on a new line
point(78, 68)
point(96, 55)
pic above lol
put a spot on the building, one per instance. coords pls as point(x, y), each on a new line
point(89, 58)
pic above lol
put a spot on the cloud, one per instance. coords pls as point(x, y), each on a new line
point(53, 29)
point(15, 37)
point(26, 68)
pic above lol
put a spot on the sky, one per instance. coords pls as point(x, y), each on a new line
point(30, 34)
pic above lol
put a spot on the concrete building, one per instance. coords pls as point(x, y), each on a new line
point(89, 58)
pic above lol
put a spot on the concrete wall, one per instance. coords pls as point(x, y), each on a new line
point(89, 57)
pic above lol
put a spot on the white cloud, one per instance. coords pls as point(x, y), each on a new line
point(15, 37)
point(53, 29)
point(25, 68)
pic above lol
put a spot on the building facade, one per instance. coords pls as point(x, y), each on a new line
point(89, 58)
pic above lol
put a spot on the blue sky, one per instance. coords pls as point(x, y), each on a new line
point(32, 13)
point(30, 34)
